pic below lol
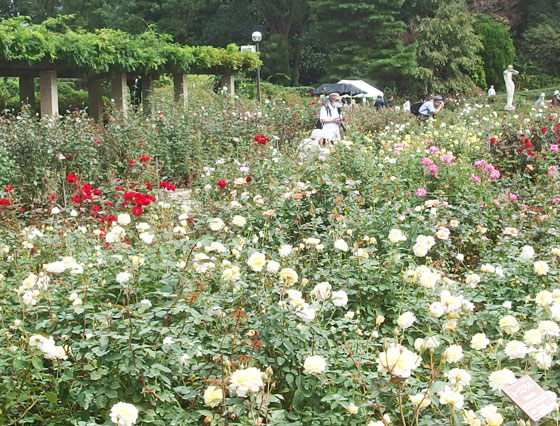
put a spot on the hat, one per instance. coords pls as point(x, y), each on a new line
point(335, 96)
point(542, 95)
point(556, 92)
point(437, 99)
point(317, 134)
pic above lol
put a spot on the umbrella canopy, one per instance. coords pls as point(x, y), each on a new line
point(342, 89)
point(368, 90)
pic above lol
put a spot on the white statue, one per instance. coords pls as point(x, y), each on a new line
point(510, 86)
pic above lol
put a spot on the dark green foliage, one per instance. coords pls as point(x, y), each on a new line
point(275, 55)
point(448, 51)
point(541, 45)
point(362, 40)
point(498, 51)
point(112, 51)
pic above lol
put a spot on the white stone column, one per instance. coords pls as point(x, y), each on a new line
point(49, 94)
point(148, 95)
point(180, 89)
point(27, 90)
point(228, 81)
point(95, 108)
point(119, 93)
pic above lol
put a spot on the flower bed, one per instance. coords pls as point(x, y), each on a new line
point(403, 278)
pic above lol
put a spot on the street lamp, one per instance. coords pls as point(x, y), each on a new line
point(257, 37)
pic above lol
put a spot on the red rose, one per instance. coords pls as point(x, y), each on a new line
point(148, 185)
point(119, 188)
point(261, 139)
point(248, 179)
point(4, 202)
point(52, 197)
point(528, 144)
point(543, 129)
point(137, 210)
point(71, 178)
point(131, 161)
point(167, 185)
point(492, 140)
point(108, 203)
point(77, 199)
point(221, 183)
point(8, 188)
point(144, 158)
point(96, 192)
point(520, 149)
point(190, 219)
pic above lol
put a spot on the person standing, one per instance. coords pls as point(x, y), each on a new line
point(379, 103)
point(491, 94)
point(541, 99)
point(556, 99)
point(330, 117)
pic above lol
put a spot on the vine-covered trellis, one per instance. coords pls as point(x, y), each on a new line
point(53, 49)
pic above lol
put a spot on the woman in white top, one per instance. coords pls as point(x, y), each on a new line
point(330, 117)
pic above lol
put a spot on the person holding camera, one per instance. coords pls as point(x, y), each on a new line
point(431, 107)
point(330, 117)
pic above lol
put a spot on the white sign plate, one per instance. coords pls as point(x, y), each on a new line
point(530, 398)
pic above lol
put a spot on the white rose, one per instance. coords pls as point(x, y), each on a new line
point(341, 245)
point(216, 224)
point(339, 298)
point(239, 221)
point(527, 252)
point(396, 236)
point(285, 250)
point(314, 364)
point(322, 291)
point(272, 266)
point(124, 414)
point(256, 261)
point(406, 320)
point(123, 219)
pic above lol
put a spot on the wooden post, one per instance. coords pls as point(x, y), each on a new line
point(119, 91)
point(148, 95)
point(180, 89)
point(95, 100)
point(228, 81)
point(27, 90)
point(49, 94)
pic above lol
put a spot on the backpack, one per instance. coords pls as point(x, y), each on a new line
point(318, 124)
point(415, 108)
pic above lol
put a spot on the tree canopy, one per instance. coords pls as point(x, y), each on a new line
point(397, 43)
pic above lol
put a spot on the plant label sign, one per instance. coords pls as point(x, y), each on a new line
point(530, 398)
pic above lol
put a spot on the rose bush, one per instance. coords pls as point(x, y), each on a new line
point(290, 288)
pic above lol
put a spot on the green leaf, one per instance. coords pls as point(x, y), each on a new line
point(51, 397)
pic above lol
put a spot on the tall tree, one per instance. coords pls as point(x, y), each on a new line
point(362, 39)
point(497, 51)
point(287, 22)
point(448, 51)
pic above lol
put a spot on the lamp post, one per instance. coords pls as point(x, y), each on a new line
point(257, 37)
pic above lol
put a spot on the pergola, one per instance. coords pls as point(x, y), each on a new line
point(52, 50)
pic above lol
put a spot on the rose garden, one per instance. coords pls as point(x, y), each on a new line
point(196, 266)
